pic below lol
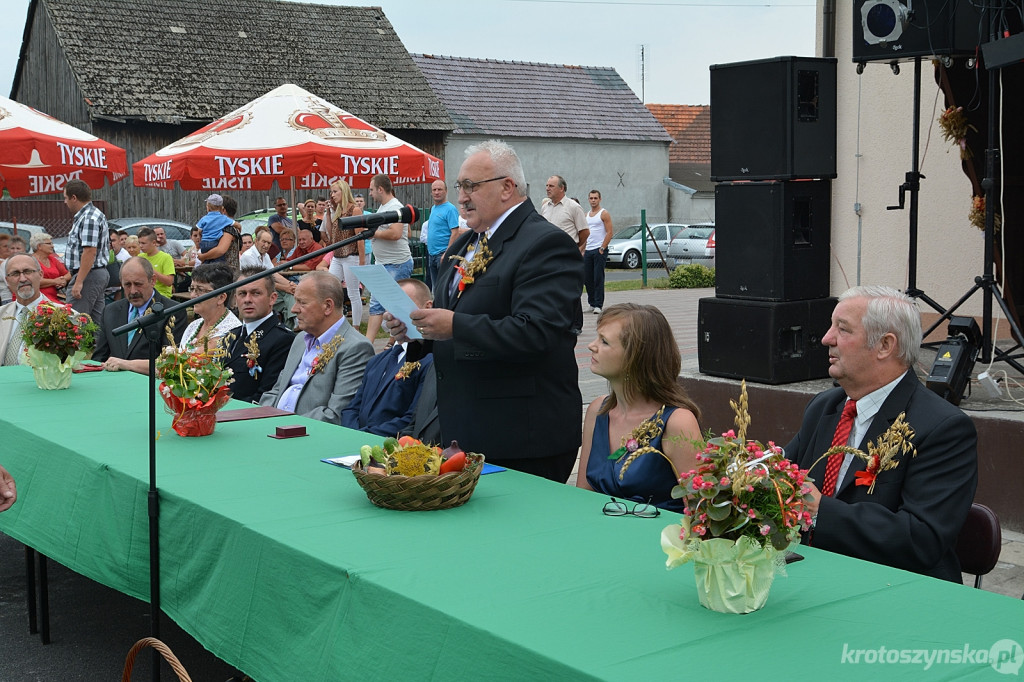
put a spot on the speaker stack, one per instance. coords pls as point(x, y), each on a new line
point(773, 153)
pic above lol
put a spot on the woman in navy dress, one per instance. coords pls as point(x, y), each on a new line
point(637, 439)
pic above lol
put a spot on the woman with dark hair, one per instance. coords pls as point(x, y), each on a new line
point(637, 439)
point(308, 220)
point(213, 319)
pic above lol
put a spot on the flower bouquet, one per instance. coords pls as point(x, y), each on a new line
point(194, 385)
point(745, 504)
point(56, 339)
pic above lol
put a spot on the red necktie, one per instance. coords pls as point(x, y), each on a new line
point(835, 462)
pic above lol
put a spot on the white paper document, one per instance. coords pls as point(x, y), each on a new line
point(387, 292)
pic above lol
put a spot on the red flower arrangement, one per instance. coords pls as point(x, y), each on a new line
point(59, 330)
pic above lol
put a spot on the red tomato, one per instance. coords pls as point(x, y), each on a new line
point(407, 440)
point(456, 462)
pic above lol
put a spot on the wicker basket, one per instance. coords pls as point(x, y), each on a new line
point(164, 650)
point(421, 493)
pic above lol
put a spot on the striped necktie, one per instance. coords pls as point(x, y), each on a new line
point(841, 437)
point(14, 343)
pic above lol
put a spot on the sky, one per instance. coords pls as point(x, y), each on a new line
point(679, 38)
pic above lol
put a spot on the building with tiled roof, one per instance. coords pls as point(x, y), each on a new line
point(692, 194)
point(581, 122)
point(143, 74)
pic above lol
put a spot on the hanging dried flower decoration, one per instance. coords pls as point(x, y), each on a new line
point(977, 215)
point(953, 122)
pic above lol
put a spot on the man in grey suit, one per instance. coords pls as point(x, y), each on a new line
point(325, 365)
point(131, 351)
point(23, 278)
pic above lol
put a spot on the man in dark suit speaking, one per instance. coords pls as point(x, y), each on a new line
point(914, 514)
point(131, 351)
point(501, 327)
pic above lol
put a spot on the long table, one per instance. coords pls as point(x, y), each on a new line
point(278, 564)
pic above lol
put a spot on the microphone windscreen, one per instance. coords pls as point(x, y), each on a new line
point(408, 213)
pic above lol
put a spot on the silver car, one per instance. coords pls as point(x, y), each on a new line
point(624, 248)
point(694, 245)
point(26, 230)
point(175, 231)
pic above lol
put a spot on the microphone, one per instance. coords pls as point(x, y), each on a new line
point(407, 214)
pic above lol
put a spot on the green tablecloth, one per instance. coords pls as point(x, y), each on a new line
point(279, 564)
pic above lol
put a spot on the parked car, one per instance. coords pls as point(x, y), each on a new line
point(250, 221)
point(175, 231)
point(694, 245)
point(26, 230)
point(624, 248)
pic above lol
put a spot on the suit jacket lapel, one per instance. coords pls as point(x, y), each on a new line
point(330, 369)
point(383, 378)
point(444, 299)
point(895, 403)
point(505, 231)
point(823, 440)
point(6, 325)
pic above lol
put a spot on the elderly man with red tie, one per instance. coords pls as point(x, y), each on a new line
point(912, 516)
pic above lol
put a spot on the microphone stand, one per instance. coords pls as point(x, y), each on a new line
point(152, 326)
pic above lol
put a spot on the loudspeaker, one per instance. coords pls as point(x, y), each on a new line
point(773, 119)
point(765, 342)
point(889, 30)
point(773, 240)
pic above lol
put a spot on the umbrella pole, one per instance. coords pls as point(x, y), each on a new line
point(295, 218)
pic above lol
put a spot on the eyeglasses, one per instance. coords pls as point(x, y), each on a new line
point(196, 290)
point(644, 510)
point(468, 186)
point(16, 274)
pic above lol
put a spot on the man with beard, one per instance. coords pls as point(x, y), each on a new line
point(23, 278)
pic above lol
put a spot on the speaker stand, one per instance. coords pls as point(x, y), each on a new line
point(912, 185)
point(986, 283)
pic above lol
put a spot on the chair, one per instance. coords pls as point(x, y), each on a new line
point(979, 542)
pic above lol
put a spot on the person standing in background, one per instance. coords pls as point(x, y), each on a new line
point(343, 205)
point(390, 246)
point(600, 223)
point(443, 229)
point(87, 251)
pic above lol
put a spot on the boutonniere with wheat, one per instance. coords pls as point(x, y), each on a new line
point(406, 370)
point(470, 270)
point(882, 456)
point(252, 354)
point(327, 352)
point(638, 442)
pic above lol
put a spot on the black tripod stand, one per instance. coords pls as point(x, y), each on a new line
point(912, 184)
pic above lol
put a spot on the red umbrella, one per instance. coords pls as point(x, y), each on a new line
point(290, 136)
point(39, 154)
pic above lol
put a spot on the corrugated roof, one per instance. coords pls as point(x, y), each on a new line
point(176, 60)
point(527, 99)
point(690, 127)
